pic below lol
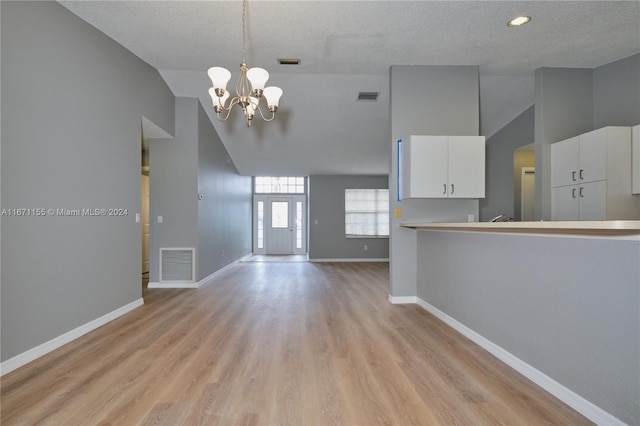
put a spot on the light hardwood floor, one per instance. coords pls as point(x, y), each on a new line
point(276, 343)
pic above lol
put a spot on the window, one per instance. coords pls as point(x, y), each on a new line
point(260, 220)
point(366, 212)
point(278, 185)
point(298, 224)
point(279, 214)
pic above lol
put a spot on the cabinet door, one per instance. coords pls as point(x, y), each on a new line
point(564, 203)
point(564, 162)
point(466, 166)
point(593, 201)
point(593, 156)
point(426, 167)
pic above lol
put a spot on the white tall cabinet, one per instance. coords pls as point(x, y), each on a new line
point(591, 176)
point(442, 167)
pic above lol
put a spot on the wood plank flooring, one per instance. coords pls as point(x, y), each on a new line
point(276, 343)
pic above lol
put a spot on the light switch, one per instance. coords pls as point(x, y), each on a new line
point(137, 217)
point(159, 219)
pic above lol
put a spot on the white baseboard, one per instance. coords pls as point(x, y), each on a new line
point(219, 272)
point(43, 349)
point(173, 284)
point(400, 300)
point(363, 259)
point(194, 284)
point(572, 399)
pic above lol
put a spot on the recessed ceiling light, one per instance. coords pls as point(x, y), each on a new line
point(518, 21)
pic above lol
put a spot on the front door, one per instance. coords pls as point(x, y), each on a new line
point(279, 224)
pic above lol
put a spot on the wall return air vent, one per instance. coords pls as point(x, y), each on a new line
point(368, 96)
point(177, 265)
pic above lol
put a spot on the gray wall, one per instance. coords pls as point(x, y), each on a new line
point(326, 206)
point(196, 162)
point(426, 100)
point(224, 213)
point(616, 93)
point(72, 102)
point(500, 179)
point(563, 109)
point(173, 186)
point(567, 306)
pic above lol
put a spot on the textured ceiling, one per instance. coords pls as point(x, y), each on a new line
point(346, 47)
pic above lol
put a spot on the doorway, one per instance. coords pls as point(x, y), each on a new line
point(279, 224)
point(524, 163)
point(527, 194)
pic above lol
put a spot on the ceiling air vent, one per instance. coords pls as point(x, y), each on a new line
point(288, 61)
point(368, 96)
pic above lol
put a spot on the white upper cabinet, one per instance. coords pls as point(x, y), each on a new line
point(591, 176)
point(442, 167)
point(565, 162)
point(466, 166)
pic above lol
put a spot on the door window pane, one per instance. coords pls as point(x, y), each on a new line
point(299, 224)
point(280, 214)
point(260, 219)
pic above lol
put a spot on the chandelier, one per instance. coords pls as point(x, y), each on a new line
point(249, 87)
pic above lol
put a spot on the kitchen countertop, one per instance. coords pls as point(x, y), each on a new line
point(589, 227)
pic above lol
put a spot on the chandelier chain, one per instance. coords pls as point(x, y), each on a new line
point(244, 30)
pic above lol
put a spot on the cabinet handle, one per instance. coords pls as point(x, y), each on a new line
point(573, 175)
point(452, 189)
point(573, 193)
point(581, 195)
point(581, 176)
point(444, 191)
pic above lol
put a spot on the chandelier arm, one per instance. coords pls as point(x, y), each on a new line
point(273, 114)
point(219, 115)
point(228, 109)
point(221, 104)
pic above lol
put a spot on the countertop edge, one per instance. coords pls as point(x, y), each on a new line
point(596, 227)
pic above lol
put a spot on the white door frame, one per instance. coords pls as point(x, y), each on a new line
point(298, 221)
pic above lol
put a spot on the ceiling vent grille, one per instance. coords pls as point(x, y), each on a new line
point(288, 61)
point(177, 264)
point(368, 96)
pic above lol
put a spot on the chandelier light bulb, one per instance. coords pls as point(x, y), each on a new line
point(257, 77)
point(252, 106)
point(219, 77)
point(272, 94)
